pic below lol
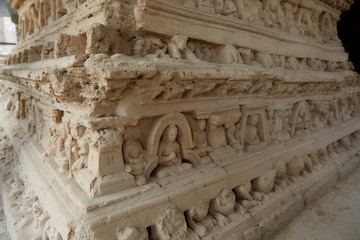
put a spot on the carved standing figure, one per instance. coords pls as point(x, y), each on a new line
point(249, 10)
point(274, 14)
point(271, 121)
point(229, 9)
point(80, 149)
point(251, 133)
point(301, 123)
point(332, 113)
point(319, 116)
point(134, 154)
point(200, 138)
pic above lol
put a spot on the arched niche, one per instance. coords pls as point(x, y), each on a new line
point(184, 138)
point(325, 24)
point(298, 107)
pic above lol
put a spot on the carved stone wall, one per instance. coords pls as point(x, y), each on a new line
point(163, 119)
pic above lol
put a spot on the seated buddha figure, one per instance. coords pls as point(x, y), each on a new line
point(252, 140)
point(170, 161)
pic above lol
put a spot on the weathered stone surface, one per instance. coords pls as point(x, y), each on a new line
point(191, 119)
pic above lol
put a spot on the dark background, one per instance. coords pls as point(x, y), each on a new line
point(349, 33)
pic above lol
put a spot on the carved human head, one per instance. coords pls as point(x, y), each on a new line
point(301, 112)
point(77, 131)
point(219, 5)
point(295, 166)
point(170, 133)
point(253, 119)
point(332, 106)
point(180, 41)
point(201, 124)
point(265, 182)
point(139, 47)
point(227, 195)
point(132, 133)
point(270, 113)
point(200, 210)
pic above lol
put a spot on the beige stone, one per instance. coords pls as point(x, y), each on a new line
point(166, 119)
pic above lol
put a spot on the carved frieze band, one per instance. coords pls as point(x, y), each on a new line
point(171, 144)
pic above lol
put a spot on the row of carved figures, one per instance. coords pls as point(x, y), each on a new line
point(207, 215)
point(178, 47)
point(24, 209)
point(43, 12)
point(237, 131)
point(304, 19)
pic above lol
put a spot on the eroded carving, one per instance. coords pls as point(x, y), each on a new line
point(134, 154)
point(199, 220)
point(171, 225)
point(222, 206)
point(170, 160)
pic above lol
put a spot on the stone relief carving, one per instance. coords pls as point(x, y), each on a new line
point(150, 47)
point(222, 206)
point(42, 13)
point(319, 115)
point(134, 154)
point(199, 220)
point(207, 214)
point(132, 233)
point(265, 182)
point(253, 130)
point(251, 133)
point(240, 114)
point(173, 144)
point(290, 16)
point(94, 42)
point(281, 179)
point(171, 225)
point(170, 160)
point(71, 147)
point(299, 119)
point(178, 48)
point(101, 39)
point(222, 130)
point(295, 167)
point(79, 148)
point(50, 232)
point(245, 198)
point(333, 114)
point(198, 127)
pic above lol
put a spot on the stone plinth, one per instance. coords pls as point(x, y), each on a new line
point(189, 119)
